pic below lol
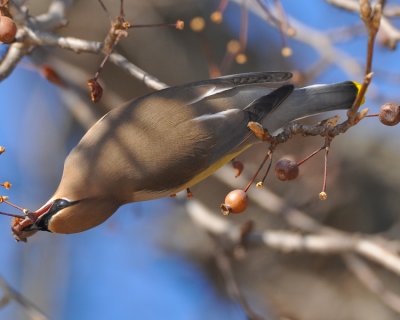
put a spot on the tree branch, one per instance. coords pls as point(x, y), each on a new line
point(365, 246)
point(9, 294)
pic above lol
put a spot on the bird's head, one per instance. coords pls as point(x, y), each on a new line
point(62, 215)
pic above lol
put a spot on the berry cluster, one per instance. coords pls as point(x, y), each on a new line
point(236, 201)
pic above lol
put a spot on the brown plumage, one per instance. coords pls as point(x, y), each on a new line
point(169, 140)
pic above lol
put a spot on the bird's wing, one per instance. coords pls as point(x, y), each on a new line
point(194, 92)
point(229, 127)
point(249, 78)
point(167, 141)
point(260, 107)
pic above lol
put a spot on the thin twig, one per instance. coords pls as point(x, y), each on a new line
point(372, 19)
point(54, 17)
point(387, 27)
point(148, 79)
point(330, 242)
point(223, 262)
point(366, 246)
point(371, 281)
point(10, 294)
point(316, 39)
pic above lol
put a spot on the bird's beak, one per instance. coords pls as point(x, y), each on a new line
point(24, 228)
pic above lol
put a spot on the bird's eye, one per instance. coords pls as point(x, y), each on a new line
point(61, 203)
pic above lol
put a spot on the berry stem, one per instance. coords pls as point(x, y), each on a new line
point(222, 6)
point(310, 156)
point(15, 206)
point(325, 169)
point(12, 215)
point(103, 6)
point(267, 156)
point(121, 9)
point(244, 17)
point(153, 25)
point(268, 169)
point(282, 27)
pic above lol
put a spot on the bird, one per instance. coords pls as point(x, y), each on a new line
point(169, 140)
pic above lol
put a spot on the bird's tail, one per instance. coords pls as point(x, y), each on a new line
point(312, 100)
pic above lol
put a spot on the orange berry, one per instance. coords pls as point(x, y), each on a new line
point(235, 202)
point(197, 24)
point(180, 24)
point(216, 17)
point(286, 52)
point(241, 58)
point(286, 169)
point(233, 46)
point(8, 29)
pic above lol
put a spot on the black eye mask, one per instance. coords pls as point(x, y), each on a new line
point(41, 224)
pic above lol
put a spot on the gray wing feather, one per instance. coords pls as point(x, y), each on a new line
point(260, 107)
point(229, 127)
point(247, 84)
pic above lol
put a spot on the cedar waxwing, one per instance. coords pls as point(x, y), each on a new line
point(169, 140)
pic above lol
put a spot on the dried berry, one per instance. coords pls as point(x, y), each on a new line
point(323, 196)
point(51, 75)
point(238, 166)
point(241, 58)
point(95, 89)
point(6, 185)
point(180, 25)
point(286, 52)
point(8, 29)
point(235, 202)
point(197, 24)
point(389, 114)
point(233, 47)
point(16, 221)
point(286, 169)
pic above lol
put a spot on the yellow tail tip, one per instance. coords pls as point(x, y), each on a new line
point(358, 86)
